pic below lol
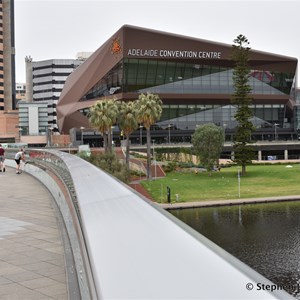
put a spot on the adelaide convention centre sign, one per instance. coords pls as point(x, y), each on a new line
point(174, 53)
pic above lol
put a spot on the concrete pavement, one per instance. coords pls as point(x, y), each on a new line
point(32, 259)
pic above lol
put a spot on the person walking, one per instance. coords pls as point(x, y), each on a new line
point(2, 159)
point(18, 157)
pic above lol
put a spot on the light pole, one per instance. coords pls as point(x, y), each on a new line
point(275, 126)
point(154, 160)
point(141, 134)
point(112, 138)
point(20, 134)
point(81, 129)
point(224, 127)
point(239, 182)
point(169, 128)
point(50, 136)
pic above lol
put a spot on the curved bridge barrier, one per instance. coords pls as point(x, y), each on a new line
point(126, 247)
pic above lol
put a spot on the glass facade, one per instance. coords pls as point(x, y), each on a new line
point(188, 116)
point(143, 75)
point(186, 79)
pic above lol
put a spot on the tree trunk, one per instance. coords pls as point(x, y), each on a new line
point(127, 152)
point(149, 175)
point(109, 141)
point(243, 170)
point(104, 141)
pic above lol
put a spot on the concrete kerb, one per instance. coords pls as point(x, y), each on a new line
point(211, 203)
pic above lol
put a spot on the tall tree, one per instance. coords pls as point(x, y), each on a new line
point(243, 150)
point(128, 123)
point(149, 112)
point(208, 141)
point(102, 116)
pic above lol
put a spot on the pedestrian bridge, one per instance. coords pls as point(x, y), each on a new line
point(126, 247)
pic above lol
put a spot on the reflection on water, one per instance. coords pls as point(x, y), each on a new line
point(264, 236)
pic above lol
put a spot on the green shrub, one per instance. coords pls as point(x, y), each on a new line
point(109, 163)
point(171, 166)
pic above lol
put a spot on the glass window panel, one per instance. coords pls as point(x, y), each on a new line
point(173, 111)
point(268, 114)
point(182, 110)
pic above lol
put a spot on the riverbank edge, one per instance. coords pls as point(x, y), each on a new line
point(211, 203)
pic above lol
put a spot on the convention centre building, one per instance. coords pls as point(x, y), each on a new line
point(192, 76)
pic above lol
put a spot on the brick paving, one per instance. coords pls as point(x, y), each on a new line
point(32, 261)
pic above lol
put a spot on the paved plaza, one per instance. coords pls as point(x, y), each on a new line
point(32, 262)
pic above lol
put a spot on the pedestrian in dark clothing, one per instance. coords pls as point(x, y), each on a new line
point(2, 159)
point(169, 194)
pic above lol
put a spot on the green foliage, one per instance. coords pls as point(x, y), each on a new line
point(138, 155)
point(109, 163)
point(171, 166)
point(175, 154)
point(208, 140)
point(127, 119)
point(244, 152)
point(149, 110)
point(102, 116)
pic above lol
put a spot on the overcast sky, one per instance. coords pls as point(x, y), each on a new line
point(48, 29)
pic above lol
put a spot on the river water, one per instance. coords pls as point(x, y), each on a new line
point(264, 236)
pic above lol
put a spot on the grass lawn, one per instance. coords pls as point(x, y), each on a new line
point(260, 181)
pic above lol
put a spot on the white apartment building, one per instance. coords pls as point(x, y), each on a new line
point(45, 81)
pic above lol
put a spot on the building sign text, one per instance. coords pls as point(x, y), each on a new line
point(174, 53)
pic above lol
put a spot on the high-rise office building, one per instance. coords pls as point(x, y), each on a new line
point(45, 80)
point(7, 56)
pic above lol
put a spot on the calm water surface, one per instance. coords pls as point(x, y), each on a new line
point(264, 236)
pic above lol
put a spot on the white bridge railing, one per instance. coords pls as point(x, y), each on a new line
point(129, 248)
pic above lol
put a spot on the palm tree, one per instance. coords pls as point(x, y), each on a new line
point(102, 115)
point(149, 111)
point(127, 122)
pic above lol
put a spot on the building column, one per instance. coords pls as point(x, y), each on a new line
point(286, 154)
point(232, 155)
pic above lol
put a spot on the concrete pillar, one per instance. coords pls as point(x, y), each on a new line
point(29, 80)
point(286, 154)
point(259, 155)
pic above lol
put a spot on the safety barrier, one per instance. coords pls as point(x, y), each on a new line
point(126, 247)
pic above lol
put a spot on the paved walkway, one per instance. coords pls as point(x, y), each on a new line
point(32, 262)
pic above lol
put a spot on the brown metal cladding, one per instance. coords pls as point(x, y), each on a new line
point(131, 37)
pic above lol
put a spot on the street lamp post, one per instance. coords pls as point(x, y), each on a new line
point(154, 160)
point(81, 129)
point(275, 126)
point(169, 128)
point(20, 134)
point(112, 138)
point(224, 127)
point(141, 134)
point(50, 136)
point(239, 183)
